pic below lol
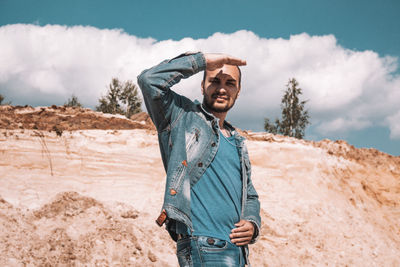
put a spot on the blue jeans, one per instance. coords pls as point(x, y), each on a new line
point(203, 251)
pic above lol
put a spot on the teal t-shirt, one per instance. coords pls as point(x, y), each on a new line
point(215, 199)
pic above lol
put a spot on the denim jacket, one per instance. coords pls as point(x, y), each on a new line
point(188, 138)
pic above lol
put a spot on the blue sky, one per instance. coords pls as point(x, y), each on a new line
point(355, 26)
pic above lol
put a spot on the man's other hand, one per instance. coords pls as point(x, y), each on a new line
point(243, 233)
point(216, 61)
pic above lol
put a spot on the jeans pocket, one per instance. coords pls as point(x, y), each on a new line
point(183, 246)
point(212, 244)
point(183, 252)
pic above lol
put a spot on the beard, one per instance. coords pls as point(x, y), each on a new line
point(210, 101)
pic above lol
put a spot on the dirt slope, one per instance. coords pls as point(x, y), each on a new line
point(61, 118)
point(86, 190)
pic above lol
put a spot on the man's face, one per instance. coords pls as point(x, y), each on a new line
point(221, 88)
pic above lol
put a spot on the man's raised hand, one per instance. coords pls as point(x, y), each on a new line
point(216, 61)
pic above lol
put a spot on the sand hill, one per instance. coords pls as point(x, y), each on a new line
point(80, 188)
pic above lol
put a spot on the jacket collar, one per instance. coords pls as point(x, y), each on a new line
point(202, 109)
point(212, 117)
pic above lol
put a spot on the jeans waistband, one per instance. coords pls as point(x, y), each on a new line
point(182, 236)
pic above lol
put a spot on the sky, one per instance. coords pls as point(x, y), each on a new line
point(344, 54)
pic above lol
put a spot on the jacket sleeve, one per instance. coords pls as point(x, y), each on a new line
point(155, 83)
point(253, 215)
point(252, 210)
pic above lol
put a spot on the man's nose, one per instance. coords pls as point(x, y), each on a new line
point(221, 89)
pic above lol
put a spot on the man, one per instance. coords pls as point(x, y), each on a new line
point(210, 205)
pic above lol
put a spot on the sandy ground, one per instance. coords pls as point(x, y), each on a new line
point(90, 198)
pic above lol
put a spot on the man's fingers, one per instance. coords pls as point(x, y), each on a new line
point(240, 223)
point(235, 61)
point(241, 229)
point(241, 241)
point(241, 234)
point(215, 61)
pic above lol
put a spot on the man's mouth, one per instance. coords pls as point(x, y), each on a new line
point(220, 97)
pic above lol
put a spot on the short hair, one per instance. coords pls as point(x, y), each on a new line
point(240, 75)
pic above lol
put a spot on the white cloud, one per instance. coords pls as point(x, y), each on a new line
point(394, 125)
point(347, 90)
point(342, 125)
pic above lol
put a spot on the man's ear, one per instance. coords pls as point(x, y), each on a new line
point(202, 87)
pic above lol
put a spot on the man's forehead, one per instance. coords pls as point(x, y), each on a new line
point(226, 72)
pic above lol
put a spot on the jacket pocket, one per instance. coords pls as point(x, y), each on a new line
point(178, 176)
point(192, 140)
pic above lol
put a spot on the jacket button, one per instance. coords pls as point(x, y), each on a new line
point(200, 164)
point(172, 192)
point(213, 144)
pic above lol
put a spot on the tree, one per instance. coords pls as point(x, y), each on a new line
point(294, 117)
point(130, 99)
point(73, 102)
point(121, 98)
point(2, 99)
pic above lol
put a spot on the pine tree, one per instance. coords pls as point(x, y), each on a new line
point(121, 98)
point(2, 99)
point(73, 102)
point(129, 97)
point(294, 117)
